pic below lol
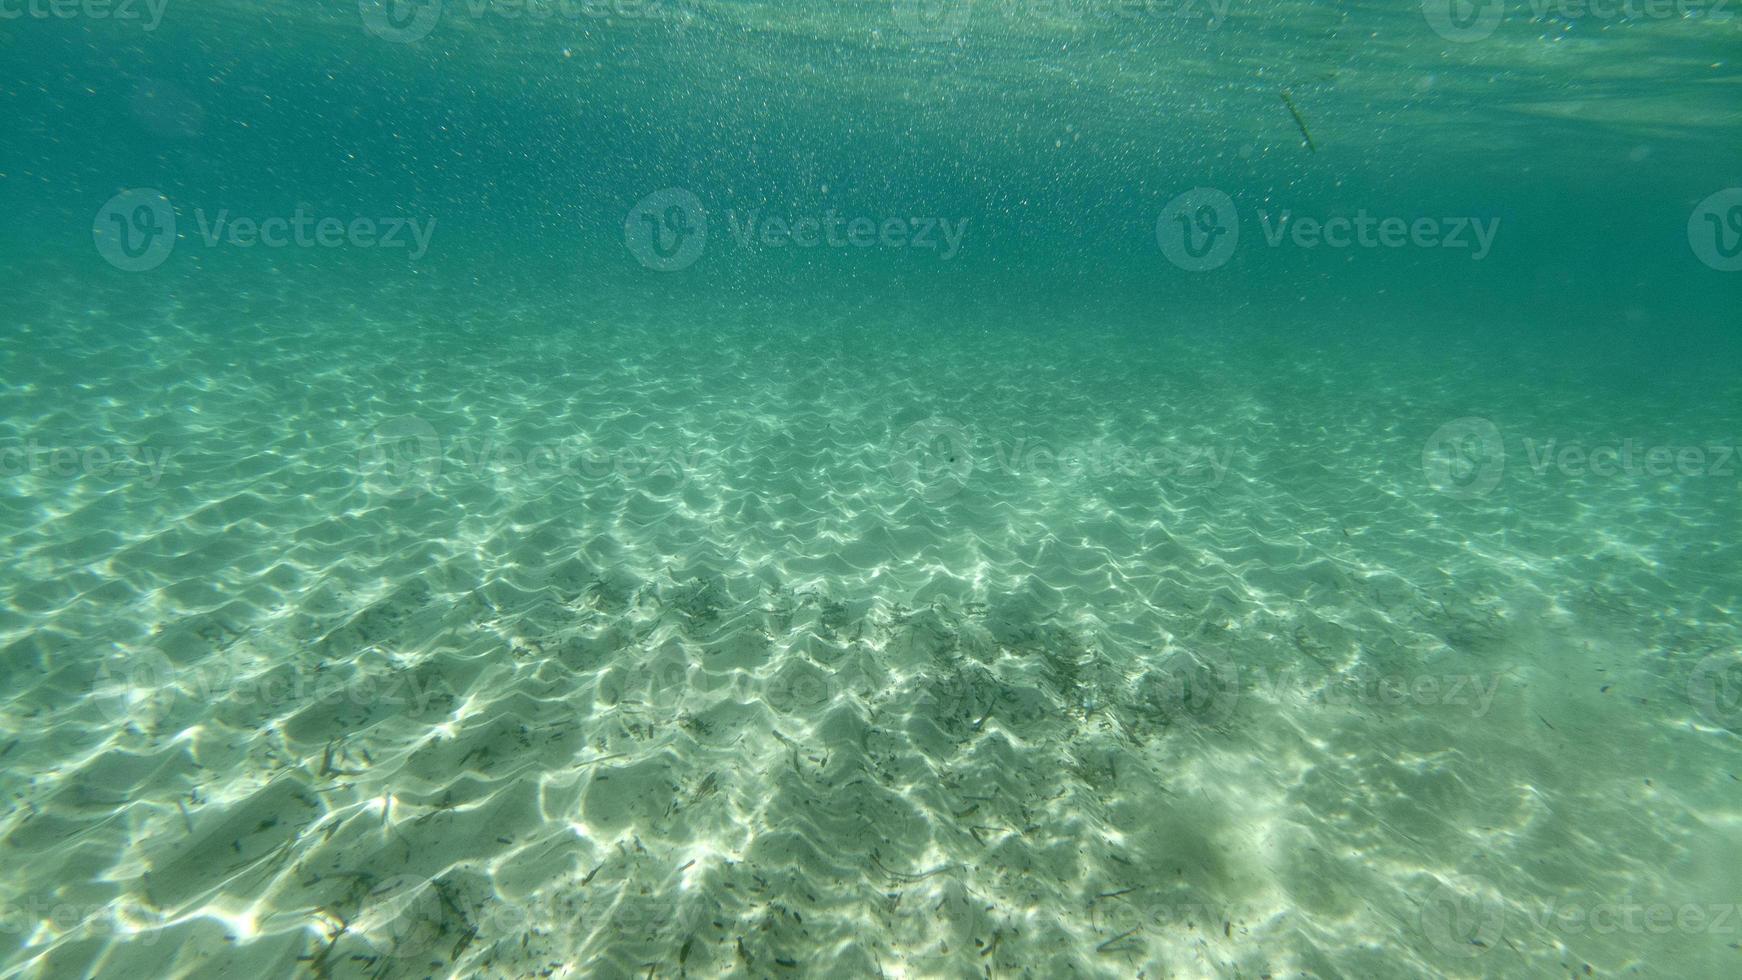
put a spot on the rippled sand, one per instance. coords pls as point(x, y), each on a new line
point(394, 649)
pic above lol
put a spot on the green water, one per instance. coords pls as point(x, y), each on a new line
point(903, 488)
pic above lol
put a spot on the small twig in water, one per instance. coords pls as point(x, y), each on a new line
point(1299, 123)
point(1103, 947)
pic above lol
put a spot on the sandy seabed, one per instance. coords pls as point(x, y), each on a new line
point(396, 651)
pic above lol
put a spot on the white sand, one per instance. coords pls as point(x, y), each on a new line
point(757, 688)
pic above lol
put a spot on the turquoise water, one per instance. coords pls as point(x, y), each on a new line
point(902, 488)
